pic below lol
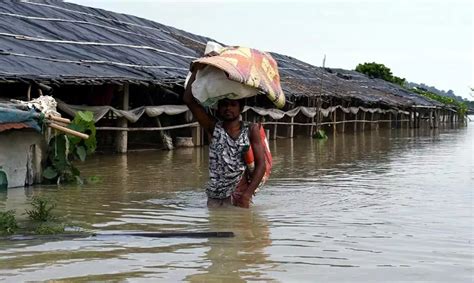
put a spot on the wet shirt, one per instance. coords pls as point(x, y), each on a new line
point(226, 161)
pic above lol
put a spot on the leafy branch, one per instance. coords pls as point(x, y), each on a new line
point(63, 149)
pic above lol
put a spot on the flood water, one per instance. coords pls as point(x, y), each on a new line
point(387, 205)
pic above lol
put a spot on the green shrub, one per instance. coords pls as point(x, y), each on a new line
point(42, 209)
point(8, 223)
point(50, 228)
point(320, 134)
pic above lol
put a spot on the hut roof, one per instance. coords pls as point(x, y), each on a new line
point(62, 43)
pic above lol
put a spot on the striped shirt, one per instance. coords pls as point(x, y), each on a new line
point(226, 161)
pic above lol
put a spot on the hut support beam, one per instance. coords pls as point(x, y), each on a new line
point(363, 119)
point(343, 119)
point(28, 93)
point(417, 119)
point(291, 127)
point(430, 119)
point(122, 136)
point(274, 134)
point(436, 118)
point(372, 124)
point(197, 136)
point(355, 122)
point(410, 119)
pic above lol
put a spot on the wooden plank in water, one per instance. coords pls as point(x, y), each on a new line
point(125, 234)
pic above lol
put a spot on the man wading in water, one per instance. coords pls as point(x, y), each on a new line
point(230, 181)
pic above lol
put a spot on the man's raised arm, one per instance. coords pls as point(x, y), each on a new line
point(205, 120)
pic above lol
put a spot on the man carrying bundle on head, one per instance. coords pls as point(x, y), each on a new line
point(227, 78)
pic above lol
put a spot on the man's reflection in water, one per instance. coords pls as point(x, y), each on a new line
point(240, 258)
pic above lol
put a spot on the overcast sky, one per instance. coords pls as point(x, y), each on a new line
point(424, 41)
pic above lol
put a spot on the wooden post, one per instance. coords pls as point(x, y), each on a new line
point(343, 121)
point(363, 121)
point(197, 136)
point(28, 93)
point(355, 122)
point(420, 118)
point(122, 136)
point(291, 128)
point(372, 120)
point(275, 129)
point(334, 119)
point(417, 116)
point(430, 118)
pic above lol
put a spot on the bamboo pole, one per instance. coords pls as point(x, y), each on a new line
point(58, 119)
point(68, 131)
point(194, 124)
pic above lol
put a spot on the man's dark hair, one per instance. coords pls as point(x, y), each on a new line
point(240, 101)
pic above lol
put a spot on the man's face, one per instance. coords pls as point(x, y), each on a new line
point(228, 109)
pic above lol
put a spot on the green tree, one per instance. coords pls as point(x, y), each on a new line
point(380, 71)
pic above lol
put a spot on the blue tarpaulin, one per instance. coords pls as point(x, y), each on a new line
point(11, 114)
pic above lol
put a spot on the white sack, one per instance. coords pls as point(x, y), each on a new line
point(212, 84)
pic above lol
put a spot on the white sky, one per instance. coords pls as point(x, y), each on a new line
point(424, 41)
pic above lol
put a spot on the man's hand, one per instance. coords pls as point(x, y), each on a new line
point(242, 196)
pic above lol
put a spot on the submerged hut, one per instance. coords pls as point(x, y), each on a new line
point(130, 72)
point(22, 147)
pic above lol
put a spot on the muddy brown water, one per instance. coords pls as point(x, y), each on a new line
point(387, 205)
